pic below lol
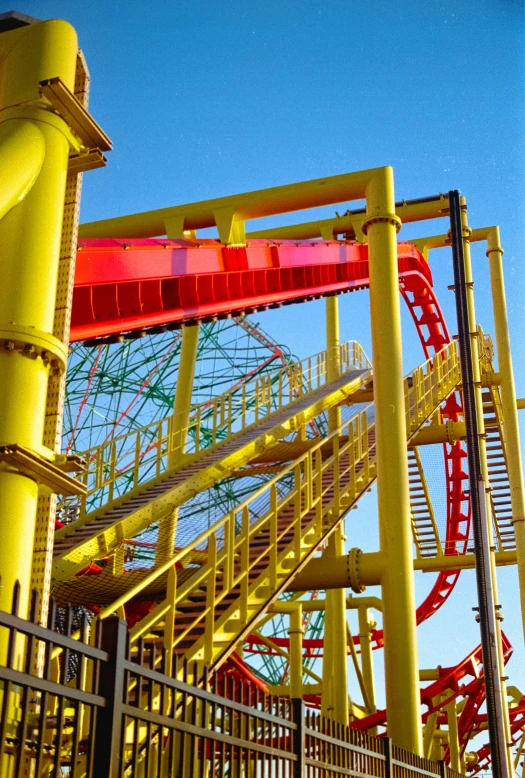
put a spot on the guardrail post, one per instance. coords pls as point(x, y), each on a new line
point(299, 740)
point(107, 757)
point(387, 750)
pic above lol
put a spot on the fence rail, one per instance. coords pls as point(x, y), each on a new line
point(97, 711)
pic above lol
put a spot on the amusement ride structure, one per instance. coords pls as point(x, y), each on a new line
point(182, 471)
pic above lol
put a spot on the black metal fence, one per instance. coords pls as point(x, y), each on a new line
point(125, 714)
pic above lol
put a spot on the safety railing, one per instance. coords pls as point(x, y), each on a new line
point(429, 385)
point(233, 547)
point(113, 714)
point(272, 524)
point(120, 464)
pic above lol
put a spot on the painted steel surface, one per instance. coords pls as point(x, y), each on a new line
point(138, 284)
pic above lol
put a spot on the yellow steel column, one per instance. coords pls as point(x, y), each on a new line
point(29, 246)
point(401, 662)
point(327, 701)
point(453, 735)
point(508, 400)
point(333, 357)
point(476, 377)
point(296, 633)
point(183, 392)
point(335, 683)
point(179, 431)
point(367, 662)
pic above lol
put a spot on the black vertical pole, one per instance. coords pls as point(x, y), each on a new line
point(487, 610)
point(299, 765)
point(107, 758)
point(389, 757)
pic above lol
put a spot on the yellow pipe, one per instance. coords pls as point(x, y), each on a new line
point(367, 662)
point(453, 736)
point(179, 431)
point(511, 430)
point(285, 654)
point(335, 665)
point(22, 150)
point(248, 205)
point(333, 355)
point(439, 433)
point(401, 663)
point(429, 675)
point(30, 237)
point(369, 568)
point(350, 223)
point(183, 393)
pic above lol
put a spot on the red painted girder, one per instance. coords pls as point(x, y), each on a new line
point(125, 286)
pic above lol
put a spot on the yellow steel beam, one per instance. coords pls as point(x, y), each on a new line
point(244, 206)
point(426, 436)
point(351, 222)
point(366, 568)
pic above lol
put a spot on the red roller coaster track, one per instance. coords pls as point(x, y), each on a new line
point(129, 287)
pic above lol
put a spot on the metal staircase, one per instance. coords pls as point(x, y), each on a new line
point(500, 498)
point(246, 432)
point(218, 587)
point(424, 527)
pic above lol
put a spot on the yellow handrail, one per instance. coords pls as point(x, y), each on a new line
point(425, 389)
point(133, 456)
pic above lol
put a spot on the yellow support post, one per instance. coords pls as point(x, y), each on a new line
point(401, 662)
point(508, 400)
point(179, 432)
point(333, 359)
point(453, 735)
point(335, 659)
point(327, 703)
point(367, 662)
point(35, 141)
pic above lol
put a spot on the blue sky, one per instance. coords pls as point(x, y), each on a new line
point(205, 99)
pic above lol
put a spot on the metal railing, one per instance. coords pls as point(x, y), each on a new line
point(116, 716)
point(429, 385)
point(272, 526)
point(119, 465)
